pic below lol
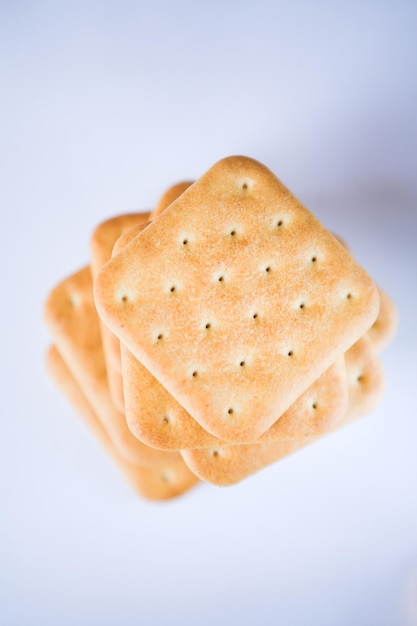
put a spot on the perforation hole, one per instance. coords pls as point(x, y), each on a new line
point(280, 223)
point(290, 353)
point(302, 305)
point(314, 405)
point(230, 411)
point(232, 233)
point(220, 279)
point(124, 299)
point(172, 289)
point(255, 316)
point(194, 374)
point(267, 269)
point(160, 336)
point(242, 364)
point(348, 296)
point(245, 184)
point(359, 378)
point(215, 453)
point(208, 325)
point(314, 259)
point(184, 242)
point(165, 420)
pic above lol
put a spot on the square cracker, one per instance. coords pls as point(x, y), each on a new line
point(236, 271)
point(73, 322)
point(102, 242)
point(155, 483)
point(157, 419)
point(226, 465)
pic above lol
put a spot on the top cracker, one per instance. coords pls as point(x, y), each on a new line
point(236, 298)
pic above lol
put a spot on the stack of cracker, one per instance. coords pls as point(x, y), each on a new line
point(217, 334)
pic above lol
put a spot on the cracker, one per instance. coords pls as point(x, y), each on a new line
point(236, 270)
point(226, 465)
point(158, 420)
point(73, 323)
point(155, 483)
point(102, 242)
point(169, 196)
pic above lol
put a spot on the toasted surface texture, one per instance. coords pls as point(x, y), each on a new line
point(228, 464)
point(157, 419)
point(155, 483)
point(73, 322)
point(236, 270)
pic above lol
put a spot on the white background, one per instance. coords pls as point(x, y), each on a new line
point(103, 106)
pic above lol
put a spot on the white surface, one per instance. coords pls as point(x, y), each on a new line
point(103, 106)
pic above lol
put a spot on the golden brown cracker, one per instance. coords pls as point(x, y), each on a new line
point(157, 419)
point(236, 270)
